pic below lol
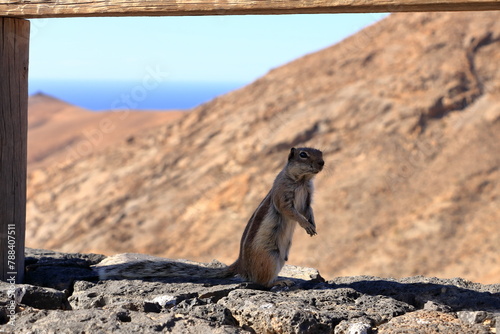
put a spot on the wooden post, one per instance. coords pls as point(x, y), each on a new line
point(14, 45)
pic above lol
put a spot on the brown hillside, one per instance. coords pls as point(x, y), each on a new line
point(59, 132)
point(408, 114)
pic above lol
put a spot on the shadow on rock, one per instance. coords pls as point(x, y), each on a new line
point(447, 295)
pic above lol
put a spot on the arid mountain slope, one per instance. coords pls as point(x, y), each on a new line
point(407, 113)
point(60, 132)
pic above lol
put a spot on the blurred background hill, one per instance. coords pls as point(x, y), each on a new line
point(407, 112)
point(60, 132)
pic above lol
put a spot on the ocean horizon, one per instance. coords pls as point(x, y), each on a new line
point(109, 95)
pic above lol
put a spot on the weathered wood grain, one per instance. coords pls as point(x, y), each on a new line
point(70, 8)
point(14, 45)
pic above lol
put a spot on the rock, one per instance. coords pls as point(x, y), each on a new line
point(214, 313)
point(110, 321)
point(345, 327)
point(35, 296)
point(58, 270)
point(433, 306)
point(472, 317)
point(300, 274)
point(316, 310)
point(424, 322)
point(344, 305)
point(165, 300)
point(447, 294)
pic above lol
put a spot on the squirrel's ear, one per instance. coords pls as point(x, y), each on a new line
point(292, 152)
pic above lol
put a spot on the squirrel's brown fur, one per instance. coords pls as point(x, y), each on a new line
point(267, 238)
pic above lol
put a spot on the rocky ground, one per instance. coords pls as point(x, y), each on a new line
point(62, 295)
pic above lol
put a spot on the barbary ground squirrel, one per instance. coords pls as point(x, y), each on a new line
point(267, 238)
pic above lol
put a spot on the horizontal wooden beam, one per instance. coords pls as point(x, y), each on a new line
point(82, 8)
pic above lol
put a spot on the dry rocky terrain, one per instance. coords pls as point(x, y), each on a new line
point(62, 295)
point(407, 112)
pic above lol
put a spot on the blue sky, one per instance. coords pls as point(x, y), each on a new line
point(210, 48)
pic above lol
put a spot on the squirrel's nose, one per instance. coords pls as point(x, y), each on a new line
point(321, 163)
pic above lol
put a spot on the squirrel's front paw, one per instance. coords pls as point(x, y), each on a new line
point(311, 230)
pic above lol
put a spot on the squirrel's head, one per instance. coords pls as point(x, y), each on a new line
point(305, 161)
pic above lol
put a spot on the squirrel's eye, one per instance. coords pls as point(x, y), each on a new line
point(303, 155)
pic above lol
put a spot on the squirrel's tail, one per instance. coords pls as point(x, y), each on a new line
point(138, 266)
